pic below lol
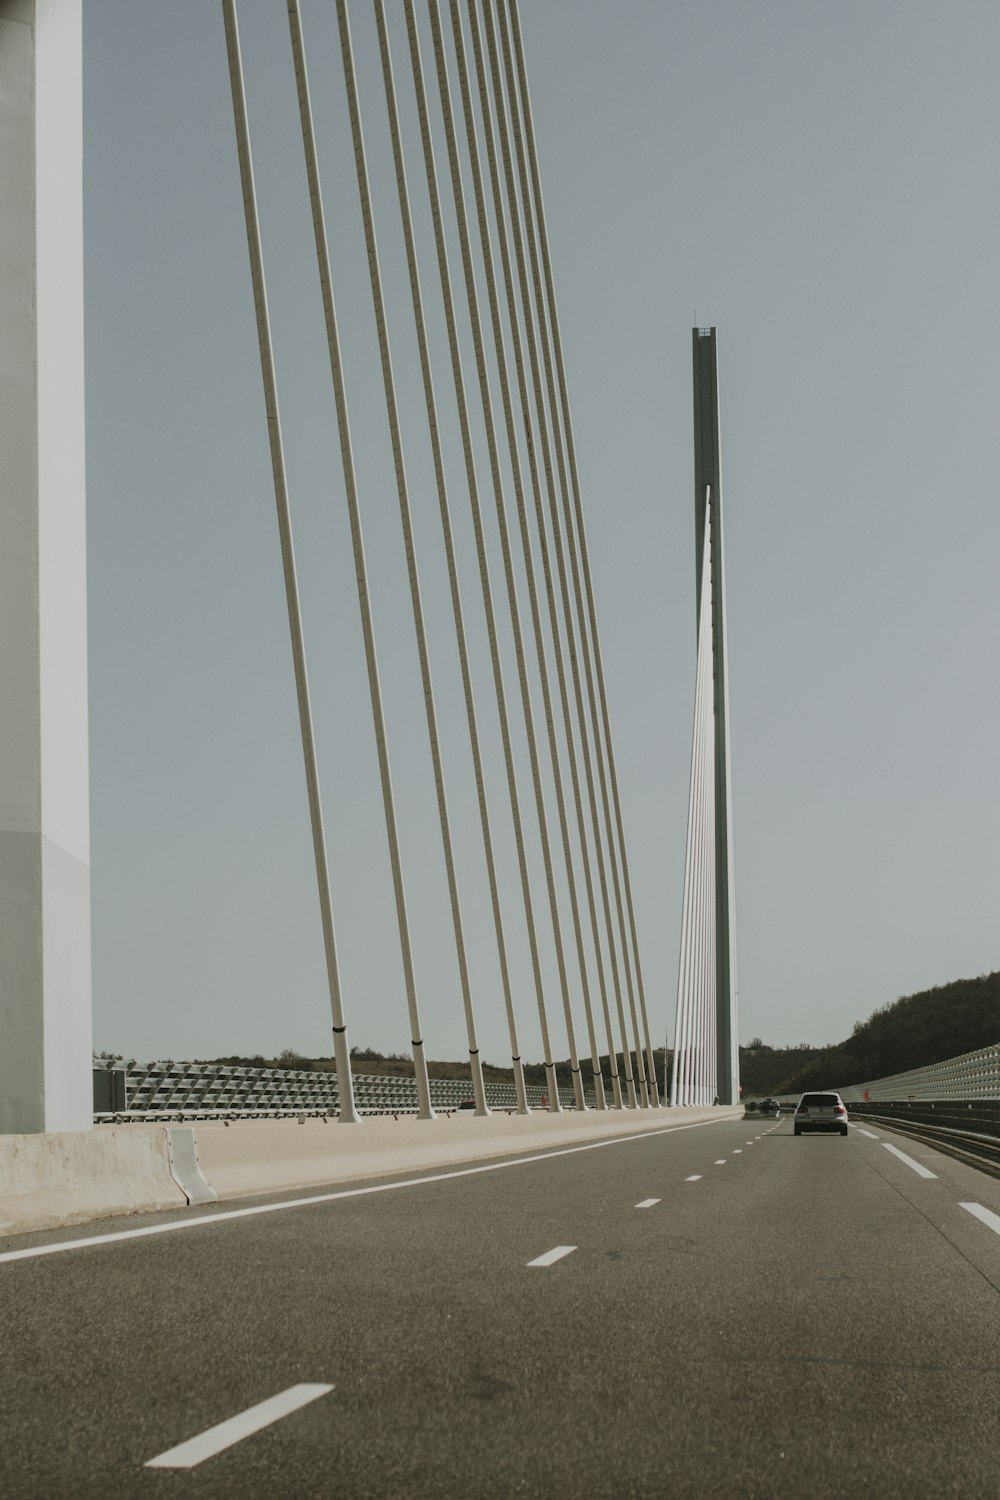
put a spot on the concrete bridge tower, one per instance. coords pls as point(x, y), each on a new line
point(45, 1010)
point(708, 508)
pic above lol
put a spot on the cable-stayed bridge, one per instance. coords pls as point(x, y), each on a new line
point(547, 1294)
point(482, 345)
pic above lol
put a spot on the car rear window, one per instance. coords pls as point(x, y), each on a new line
point(817, 1100)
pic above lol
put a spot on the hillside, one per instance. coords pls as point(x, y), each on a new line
point(763, 1069)
point(912, 1032)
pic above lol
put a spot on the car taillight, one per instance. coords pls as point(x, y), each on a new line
point(840, 1110)
point(803, 1109)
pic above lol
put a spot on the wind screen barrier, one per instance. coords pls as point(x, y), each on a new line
point(974, 1075)
point(206, 1090)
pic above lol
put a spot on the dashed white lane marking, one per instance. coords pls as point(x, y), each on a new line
point(870, 1134)
point(175, 1225)
point(915, 1166)
point(225, 1434)
point(720, 1163)
point(551, 1256)
point(696, 1178)
point(648, 1203)
point(986, 1215)
point(737, 1150)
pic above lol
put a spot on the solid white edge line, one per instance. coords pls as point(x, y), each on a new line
point(985, 1215)
point(207, 1444)
point(551, 1256)
point(915, 1166)
point(174, 1225)
point(648, 1203)
point(696, 1178)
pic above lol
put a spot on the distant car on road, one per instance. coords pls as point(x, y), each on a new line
point(756, 1109)
point(820, 1112)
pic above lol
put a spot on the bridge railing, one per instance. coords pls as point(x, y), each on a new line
point(973, 1075)
point(210, 1090)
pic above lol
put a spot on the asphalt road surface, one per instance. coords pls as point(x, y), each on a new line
point(731, 1313)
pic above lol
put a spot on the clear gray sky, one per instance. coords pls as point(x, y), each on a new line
point(818, 181)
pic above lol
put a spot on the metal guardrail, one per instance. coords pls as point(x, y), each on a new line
point(967, 1130)
point(200, 1091)
point(966, 1116)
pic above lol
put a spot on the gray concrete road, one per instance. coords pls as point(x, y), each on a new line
point(805, 1317)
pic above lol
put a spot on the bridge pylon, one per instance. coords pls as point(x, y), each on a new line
point(706, 1055)
point(45, 1019)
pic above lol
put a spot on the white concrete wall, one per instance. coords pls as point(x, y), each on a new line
point(68, 1178)
point(45, 1015)
point(46, 1181)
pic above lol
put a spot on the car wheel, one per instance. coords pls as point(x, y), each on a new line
point(797, 1130)
point(844, 1130)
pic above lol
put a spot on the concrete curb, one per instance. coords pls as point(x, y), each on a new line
point(71, 1176)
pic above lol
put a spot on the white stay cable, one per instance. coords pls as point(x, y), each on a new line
point(342, 1053)
point(705, 991)
point(458, 192)
point(519, 144)
point(477, 522)
point(698, 901)
point(449, 546)
point(425, 1110)
point(518, 236)
point(682, 1021)
point(541, 427)
point(405, 514)
point(512, 324)
point(581, 545)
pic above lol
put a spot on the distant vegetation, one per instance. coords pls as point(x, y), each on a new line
point(912, 1032)
point(763, 1069)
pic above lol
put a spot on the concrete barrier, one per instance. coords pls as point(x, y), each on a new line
point(52, 1180)
point(71, 1176)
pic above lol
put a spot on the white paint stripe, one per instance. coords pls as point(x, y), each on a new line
point(648, 1203)
point(207, 1444)
point(914, 1166)
point(693, 1179)
point(986, 1215)
point(737, 1150)
point(551, 1256)
point(720, 1163)
point(870, 1134)
point(195, 1222)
